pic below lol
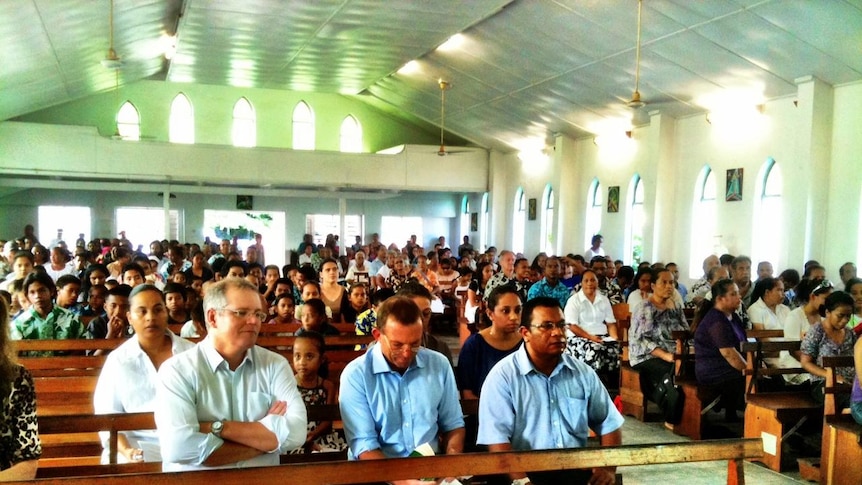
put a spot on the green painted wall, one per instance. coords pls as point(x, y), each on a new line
point(213, 108)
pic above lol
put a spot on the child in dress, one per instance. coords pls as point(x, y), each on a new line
point(310, 365)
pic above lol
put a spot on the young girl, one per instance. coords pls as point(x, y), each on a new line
point(357, 302)
point(314, 318)
point(310, 291)
point(284, 309)
point(310, 365)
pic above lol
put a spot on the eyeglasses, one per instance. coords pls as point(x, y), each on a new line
point(548, 326)
point(400, 347)
point(824, 286)
point(244, 314)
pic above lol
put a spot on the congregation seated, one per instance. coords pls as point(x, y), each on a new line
point(44, 319)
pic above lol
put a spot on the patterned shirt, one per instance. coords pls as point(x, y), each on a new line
point(365, 322)
point(651, 329)
point(59, 324)
point(817, 344)
point(610, 289)
point(19, 431)
point(699, 289)
point(542, 288)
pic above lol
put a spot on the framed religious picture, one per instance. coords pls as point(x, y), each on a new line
point(474, 221)
point(614, 198)
point(531, 209)
point(734, 185)
point(245, 202)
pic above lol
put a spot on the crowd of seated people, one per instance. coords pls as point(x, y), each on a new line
point(110, 289)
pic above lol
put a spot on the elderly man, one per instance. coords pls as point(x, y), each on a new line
point(540, 398)
point(399, 395)
point(700, 288)
point(227, 402)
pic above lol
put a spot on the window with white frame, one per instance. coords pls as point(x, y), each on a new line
point(244, 224)
point(143, 225)
point(547, 231)
point(768, 215)
point(129, 122)
point(321, 225)
point(68, 220)
point(244, 124)
point(351, 135)
point(394, 229)
point(303, 127)
point(594, 212)
point(485, 223)
point(637, 217)
point(182, 120)
point(519, 220)
point(702, 222)
point(465, 217)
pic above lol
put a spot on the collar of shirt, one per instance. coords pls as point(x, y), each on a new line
point(214, 359)
point(525, 365)
point(379, 364)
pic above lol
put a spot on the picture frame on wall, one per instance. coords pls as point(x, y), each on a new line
point(614, 198)
point(474, 221)
point(531, 209)
point(733, 192)
point(245, 202)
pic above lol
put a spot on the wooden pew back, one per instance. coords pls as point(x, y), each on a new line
point(841, 445)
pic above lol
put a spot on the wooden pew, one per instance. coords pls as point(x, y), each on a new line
point(633, 399)
point(732, 451)
point(841, 447)
point(773, 416)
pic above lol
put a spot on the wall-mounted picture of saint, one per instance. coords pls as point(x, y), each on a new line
point(734, 185)
point(614, 198)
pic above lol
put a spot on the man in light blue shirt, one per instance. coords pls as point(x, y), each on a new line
point(399, 395)
point(227, 402)
point(540, 398)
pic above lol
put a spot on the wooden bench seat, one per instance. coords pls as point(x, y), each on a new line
point(732, 451)
point(841, 445)
point(773, 416)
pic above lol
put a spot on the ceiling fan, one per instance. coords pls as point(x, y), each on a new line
point(444, 86)
point(636, 104)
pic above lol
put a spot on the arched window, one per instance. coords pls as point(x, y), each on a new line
point(486, 219)
point(129, 122)
point(465, 217)
point(636, 219)
point(703, 225)
point(519, 219)
point(244, 124)
point(768, 215)
point(594, 212)
point(351, 135)
point(182, 121)
point(303, 127)
point(548, 220)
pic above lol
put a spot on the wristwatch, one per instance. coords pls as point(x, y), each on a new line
point(217, 427)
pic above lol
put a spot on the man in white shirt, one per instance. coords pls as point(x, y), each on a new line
point(596, 248)
point(228, 403)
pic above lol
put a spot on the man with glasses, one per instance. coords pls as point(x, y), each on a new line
point(228, 403)
point(400, 396)
point(540, 398)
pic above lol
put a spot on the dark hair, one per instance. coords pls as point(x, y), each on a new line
point(143, 288)
point(738, 260)
point(382, 295)
point(498, 292)
point(412, 289)
point(309, 273)
point(271, 266)
point(172, 287)
point(401, 309)
point(711, 273)
point(328, 260)
point(539, 301)
point(233, 264)
point(24, 254)
point(790, 277)
point(835, 300)
point(535, 264)
point(120, 290)
point(721, 288)
point(67, 279)
point(282, 297)
point(725, 259)
point(851, 283)
point(320, 343)
point(311, 282)
point(626, 271)
point(595, 238)
point(317, 305)
point(761, 287)
point(251, 266)
point(284, 281)
point(355, 286)
point(480, 268)
point(99, 288)
point(811, 268)
point(133, 267)
point(39, 277)
point(655, 272)
point(598, 259)
point(466, 270)
point(640, 274)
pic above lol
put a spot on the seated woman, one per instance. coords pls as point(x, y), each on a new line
point(652, 347)
point(21, 447)
point(717, 362)
point(592, 333)
point(332, 294)
point(768, 311)
point(476, 290)
point(641, 288)
point(127, 383)
point(800, 320)
point(484, 349)
point(854, 289)
point(356, 302)
point(831, 337)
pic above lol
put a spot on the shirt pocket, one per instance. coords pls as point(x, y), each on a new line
point(257, 404)
point(574, 415)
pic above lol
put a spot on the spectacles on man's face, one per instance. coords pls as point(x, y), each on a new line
point(245, 314)
point(548, 326)
point(399, 347)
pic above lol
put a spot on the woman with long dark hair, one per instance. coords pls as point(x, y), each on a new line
point(830, 337)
